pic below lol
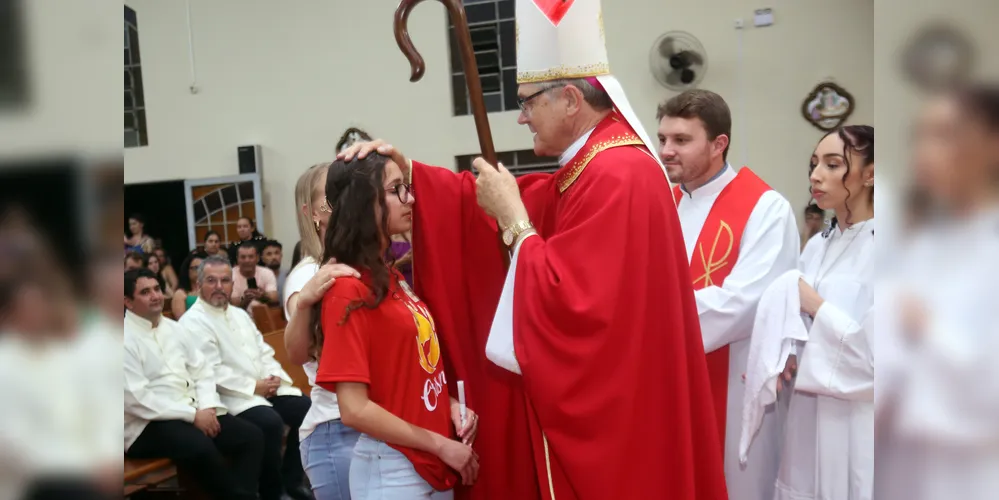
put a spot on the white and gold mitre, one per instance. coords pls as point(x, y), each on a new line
point(564, 39)
point(560, 39)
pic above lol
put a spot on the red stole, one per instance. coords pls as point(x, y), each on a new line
point(714, 256)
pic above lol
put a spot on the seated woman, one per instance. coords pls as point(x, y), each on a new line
point(391, 390)
point(154, 264)
point(186, 294)
point(139, 241)
point(212, 245)
point(167, 271)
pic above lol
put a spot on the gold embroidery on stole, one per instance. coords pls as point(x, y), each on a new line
point(710, 264)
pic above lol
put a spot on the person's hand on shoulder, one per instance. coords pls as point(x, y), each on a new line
point(314, 290)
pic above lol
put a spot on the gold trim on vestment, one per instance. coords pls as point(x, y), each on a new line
point(710, 264)
point(548, 466)
point(563, 72)
point(600, 20)
point(577, 167)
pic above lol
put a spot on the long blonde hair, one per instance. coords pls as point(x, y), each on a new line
point(312, 245)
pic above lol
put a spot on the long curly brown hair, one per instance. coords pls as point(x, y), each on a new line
point(858, 139)
point(357, 232)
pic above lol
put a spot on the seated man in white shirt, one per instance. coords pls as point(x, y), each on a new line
point(59, 435)
point(252, 285)
point(172, 409)
point(251, 383)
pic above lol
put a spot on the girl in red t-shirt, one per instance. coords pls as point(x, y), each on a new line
point(380, 351)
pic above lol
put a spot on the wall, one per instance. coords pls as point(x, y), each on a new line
point(292, 76)
point(71, 51)
point(898, 102)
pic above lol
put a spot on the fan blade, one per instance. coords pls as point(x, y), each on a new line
point(666, 47)
point(694, 57)
point(673, 78)
point(687, 76)
point(678, 61)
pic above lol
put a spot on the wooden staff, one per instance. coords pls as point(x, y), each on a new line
point(457, 13)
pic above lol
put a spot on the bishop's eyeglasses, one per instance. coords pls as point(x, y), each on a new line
point(523, 101)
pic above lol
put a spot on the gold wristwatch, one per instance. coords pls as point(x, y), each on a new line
point(510, 234)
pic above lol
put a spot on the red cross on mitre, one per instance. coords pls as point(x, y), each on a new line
point(554, 10)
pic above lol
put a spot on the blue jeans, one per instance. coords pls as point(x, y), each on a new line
point(326, 456)
point(380, 472)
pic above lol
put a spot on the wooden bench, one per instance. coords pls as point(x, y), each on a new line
point(298, 377)
point(140, 474)
point(268, 318)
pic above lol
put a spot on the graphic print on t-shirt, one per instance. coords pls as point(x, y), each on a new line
point(426, 337)
point(429, 351)
point(409, 291)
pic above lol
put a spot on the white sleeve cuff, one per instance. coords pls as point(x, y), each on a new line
point(516, 246)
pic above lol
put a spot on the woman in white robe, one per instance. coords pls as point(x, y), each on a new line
point(828, 448)
point(938, 392)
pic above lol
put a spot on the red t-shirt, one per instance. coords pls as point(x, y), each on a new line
point(394, 349)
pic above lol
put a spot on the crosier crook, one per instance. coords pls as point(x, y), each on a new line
point(457, 14)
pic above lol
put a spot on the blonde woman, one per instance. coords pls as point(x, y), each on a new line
point(326, 444)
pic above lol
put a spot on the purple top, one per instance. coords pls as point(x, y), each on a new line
point(397, 250)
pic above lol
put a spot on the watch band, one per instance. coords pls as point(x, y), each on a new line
point(519, 227)
point(512, 232)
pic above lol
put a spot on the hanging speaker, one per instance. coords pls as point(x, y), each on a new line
point(249, 159)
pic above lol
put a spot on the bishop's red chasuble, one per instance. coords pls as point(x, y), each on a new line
point(606, 331)
point(715, 254)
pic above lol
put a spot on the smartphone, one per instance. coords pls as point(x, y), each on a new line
point(251, 283)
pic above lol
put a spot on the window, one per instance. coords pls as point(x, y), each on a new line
point(13, 70)
point(135, 105)
point(216, 205)
point(517, 162)
point(494, 40)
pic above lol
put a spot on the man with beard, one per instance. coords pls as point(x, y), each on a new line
point(172, 408)
point(251, 383)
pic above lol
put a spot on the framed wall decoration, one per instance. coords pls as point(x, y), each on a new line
point(828, 106)
point(938, 56)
